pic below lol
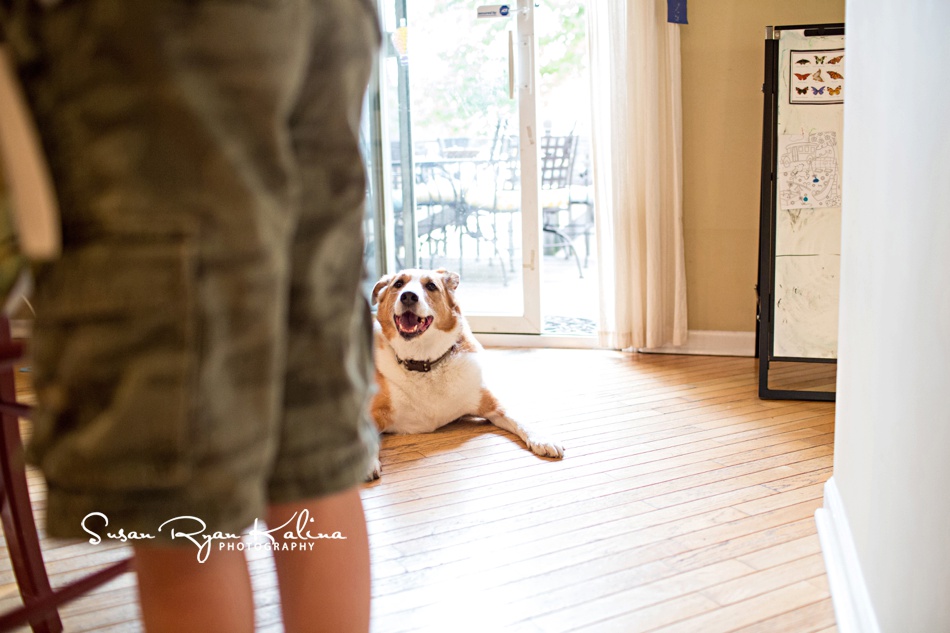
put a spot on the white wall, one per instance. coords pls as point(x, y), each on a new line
point(892, 450)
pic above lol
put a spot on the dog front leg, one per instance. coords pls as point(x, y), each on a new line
point(375, 470)
point(491, 410)
point(381, 410)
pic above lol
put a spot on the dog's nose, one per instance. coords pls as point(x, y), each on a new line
point(409, 298)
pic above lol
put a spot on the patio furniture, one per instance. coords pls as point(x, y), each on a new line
point(438, 201)
point(494, 197)
point(442, 190)
point(558, 154)
point(498, 194)
point(464, 194)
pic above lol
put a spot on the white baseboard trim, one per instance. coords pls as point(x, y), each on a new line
point(853, 608)
point(698, 342)
point(710, 343)
point(534, 340)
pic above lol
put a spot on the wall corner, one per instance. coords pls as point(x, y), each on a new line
point(853, 608)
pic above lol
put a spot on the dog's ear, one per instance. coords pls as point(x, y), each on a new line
point(451, 280)
point(380, 285)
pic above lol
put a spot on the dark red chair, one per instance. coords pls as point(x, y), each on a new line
point(40, 601)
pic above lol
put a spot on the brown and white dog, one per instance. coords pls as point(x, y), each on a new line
point(427, 362)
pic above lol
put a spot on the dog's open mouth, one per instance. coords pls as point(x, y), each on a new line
point(410, 325)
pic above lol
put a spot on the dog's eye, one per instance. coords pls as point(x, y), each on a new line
point(399, 283)
point(431, 287)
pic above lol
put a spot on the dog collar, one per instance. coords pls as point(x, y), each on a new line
point(424, 366)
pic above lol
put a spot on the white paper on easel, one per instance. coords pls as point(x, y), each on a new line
point(35, 210)
point(808, 171)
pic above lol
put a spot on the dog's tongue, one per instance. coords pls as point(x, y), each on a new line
point(408, 320)
point(410, 324)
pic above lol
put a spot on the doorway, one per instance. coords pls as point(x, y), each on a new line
point(478, 139)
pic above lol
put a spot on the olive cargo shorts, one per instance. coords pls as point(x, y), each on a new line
point(202, 347)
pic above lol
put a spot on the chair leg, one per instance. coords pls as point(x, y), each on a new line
point(494, 243)
point(586, 249)
point(496, 252)
point(478, 238)
point(16, 513)
point(511, 241)
point(570, 246)
point(431, 240)
point(461, 248)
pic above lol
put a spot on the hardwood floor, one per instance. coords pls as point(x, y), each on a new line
point(684, 503)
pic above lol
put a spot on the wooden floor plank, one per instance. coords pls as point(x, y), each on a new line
point(757, 583)
point(817, 617)
point(654, 616)
point(749, 612)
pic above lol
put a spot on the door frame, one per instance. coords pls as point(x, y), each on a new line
point(531, 254)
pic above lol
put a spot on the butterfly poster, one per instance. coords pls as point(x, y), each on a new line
point(816, 77)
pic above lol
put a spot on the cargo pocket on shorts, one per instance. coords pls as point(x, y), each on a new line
point(114, 357)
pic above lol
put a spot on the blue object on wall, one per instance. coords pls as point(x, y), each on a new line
point(676, 11)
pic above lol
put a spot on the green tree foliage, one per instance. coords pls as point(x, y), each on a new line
point(459, 66)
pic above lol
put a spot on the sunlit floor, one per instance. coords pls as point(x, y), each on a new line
point(684, 504)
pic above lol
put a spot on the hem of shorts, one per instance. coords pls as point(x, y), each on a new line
point(144, 511)
point(347, 471)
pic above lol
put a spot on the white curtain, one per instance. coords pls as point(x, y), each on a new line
point(637, 159)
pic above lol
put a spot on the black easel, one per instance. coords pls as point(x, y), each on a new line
point(765, 325)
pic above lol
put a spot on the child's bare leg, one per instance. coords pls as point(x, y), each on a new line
point(180, 595)
point(326, 588)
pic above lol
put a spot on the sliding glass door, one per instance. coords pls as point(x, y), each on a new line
point(453, 153)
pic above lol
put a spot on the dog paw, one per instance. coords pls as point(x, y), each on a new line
point(545, 447)
point(375, 471)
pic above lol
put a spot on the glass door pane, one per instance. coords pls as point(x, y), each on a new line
point(458, 114)
point(569, 286)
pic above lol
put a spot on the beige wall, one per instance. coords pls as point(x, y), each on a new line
point(722, 49)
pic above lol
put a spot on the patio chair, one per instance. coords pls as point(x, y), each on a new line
point(494, 196)
point(438, 199)
point(557, 171)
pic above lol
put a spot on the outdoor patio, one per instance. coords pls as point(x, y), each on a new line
point(467, 218)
